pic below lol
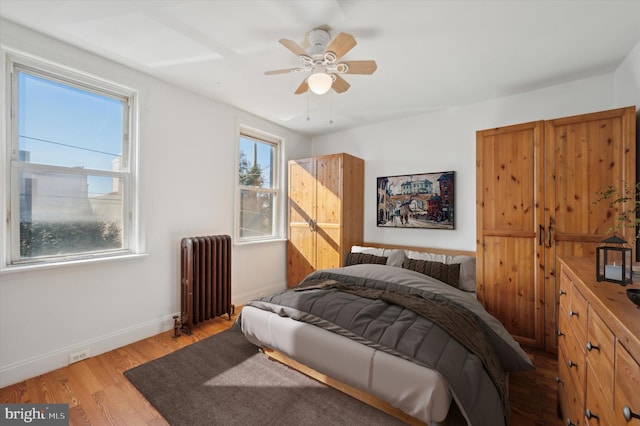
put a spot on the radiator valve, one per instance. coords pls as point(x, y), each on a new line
point(176, 326)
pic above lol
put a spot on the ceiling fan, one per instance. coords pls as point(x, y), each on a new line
point(322, 61)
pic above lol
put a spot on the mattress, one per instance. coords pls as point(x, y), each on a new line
point(416, 390)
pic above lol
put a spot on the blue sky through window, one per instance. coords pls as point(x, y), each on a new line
point(264, 153)
point(62, 125)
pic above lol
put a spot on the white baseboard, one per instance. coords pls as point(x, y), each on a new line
point(19, 371)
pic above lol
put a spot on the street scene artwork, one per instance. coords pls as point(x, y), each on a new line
point(416, 201)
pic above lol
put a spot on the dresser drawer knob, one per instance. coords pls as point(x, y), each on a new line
point(559, 380)
point(570, 423)
point(628, 414)
point(572, 364)
point(590, 415)
point(590, 347)
point(573, 313)
point(562, 293)
point(560, 333)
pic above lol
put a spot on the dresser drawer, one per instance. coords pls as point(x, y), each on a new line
point(575, 362)
point(627, 388)
point(570, 398)
point(578, 314)
point(565, 288)
point(600, 353)
point(599, 408)
point(564, 330)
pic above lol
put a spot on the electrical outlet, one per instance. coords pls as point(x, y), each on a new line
point(78, 356)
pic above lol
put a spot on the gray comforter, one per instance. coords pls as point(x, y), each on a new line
point(409, 315)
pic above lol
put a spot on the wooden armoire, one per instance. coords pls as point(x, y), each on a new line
point(326, 212)
point(537, 191)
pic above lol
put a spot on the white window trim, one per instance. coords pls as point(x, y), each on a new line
point(134, 244)
point(278, 179)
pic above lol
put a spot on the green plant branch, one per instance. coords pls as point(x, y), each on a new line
point(628, 217)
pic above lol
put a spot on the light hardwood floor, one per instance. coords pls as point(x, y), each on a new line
point(98, 393)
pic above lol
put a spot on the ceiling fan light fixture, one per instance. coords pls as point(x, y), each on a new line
point(320, 83)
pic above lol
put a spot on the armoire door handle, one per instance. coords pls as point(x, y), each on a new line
point(540, 234)
point(550, 239)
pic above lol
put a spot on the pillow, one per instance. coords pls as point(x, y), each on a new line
point(358, 258)
point(449, 274)
point(432, 257)
point(467, 271)
point(368, 250)
point(394, 257)
point(467, 280)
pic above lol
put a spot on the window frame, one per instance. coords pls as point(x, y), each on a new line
point(131, 244)
point(276, 189)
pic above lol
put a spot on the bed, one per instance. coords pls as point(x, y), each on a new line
point(398, 325)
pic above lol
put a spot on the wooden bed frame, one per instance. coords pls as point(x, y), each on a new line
point(349, 390)
point(450, 252)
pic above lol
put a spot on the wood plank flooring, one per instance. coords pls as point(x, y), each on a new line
point(98, 393)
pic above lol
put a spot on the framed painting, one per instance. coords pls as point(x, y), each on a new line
point(423, 200)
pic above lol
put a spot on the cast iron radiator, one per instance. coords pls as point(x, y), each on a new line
point(205, 280)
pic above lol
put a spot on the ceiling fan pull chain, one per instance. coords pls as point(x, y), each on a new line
point(330, 107)
point(308, 118)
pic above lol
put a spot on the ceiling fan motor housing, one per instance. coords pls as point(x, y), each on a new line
point(318, 41)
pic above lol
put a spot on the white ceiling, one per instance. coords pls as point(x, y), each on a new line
point(431, 55)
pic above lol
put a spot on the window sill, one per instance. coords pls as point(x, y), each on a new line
point(265, 241)
point(25, 267)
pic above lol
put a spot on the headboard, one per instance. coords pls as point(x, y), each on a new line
point(450, 252)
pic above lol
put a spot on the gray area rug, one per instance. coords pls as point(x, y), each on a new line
point(225, 380)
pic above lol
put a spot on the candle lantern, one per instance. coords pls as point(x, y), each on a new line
point(613, 261)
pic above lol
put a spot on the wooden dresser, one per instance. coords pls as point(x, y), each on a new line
point(599, 349)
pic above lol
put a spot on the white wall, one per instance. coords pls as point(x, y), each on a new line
point(627, 79)
point(445, 140)
point(187, 173)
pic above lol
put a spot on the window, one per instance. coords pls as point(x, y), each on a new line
point(258, 187)
point(71, 181)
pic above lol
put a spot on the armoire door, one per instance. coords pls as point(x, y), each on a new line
point(301, 244)
point(537, 187)
point(510, 249)
point(329, 199)
point(585, 154)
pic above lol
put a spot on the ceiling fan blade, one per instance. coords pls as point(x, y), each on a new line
point(340, 85)
point(360, 67)
point(341, 45)
point(293, 47)
point(302, 88)
point(283, 71)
